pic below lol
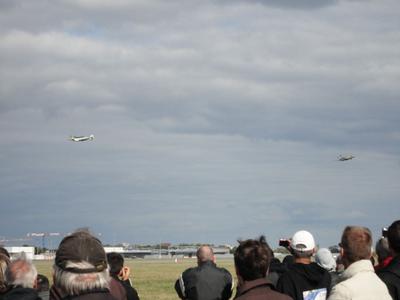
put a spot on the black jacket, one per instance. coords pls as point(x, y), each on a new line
point(20, 293)
point(131, 293)
point(276, 269)
point(390, 275)
point(303, 277)
point(205, 282)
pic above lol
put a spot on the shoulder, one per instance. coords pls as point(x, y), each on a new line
point(224, 271)
point(189, 271)
point(264, 294)
point(340, 292)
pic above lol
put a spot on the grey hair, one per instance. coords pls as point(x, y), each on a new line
point(382, 249)
point(21, 272)
point(75, 284)
point(4, 263)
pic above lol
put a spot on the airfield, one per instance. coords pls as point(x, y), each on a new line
point(153, 278)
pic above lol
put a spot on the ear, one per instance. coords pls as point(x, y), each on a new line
point(214, 259)
point(341, 252)
point(239, 278)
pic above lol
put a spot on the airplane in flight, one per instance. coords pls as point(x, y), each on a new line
point(345, 157)
point(75, 138)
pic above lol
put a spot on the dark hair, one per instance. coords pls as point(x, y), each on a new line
point(115, 262)
point(4, 251)
point(393, 236)
point(252, 258)
point(43, 284)
point(356, 243)
point(382, 249)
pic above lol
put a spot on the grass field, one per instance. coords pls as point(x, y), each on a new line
point(153, 279)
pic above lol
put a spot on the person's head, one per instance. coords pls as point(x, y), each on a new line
point(4, 263)
point(43, 284)
point(393, 236)
point(4, 252)
point(302, 245)
point(21, 272)
point(252, 259)
point(205, 253)
point(115, 263)
point(355, 244)
point(80, 264)
point(325, 259)
point(382, 249)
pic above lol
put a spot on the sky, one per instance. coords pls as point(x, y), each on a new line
point(213, 120)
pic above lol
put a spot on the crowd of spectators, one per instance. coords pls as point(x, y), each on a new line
point(83, 271)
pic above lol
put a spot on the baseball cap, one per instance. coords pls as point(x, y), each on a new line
point(302, 241)
point(81, 246)
point(325, 259)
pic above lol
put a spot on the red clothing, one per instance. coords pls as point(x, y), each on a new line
point(383, 264)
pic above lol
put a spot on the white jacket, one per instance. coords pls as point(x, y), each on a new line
point(359, 282)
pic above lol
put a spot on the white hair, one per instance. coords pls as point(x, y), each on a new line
point(21, 272)
point(77, 283)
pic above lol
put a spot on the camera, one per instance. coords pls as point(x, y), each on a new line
point(384, 231)
point(284, 243)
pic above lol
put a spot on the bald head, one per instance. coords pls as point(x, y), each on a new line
point(21, 272)
point(205, 253)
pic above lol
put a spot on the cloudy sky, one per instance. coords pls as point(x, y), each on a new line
point(213, 120)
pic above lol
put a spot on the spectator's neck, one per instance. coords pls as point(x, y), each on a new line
point(302, 260)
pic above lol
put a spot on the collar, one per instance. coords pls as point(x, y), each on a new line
point(207, 263)
point(94, 291)
point(249, 285)
point(363, 265)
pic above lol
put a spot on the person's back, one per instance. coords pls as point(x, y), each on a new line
point(252, 261)
point(4, 263)
point(325, 259)
point(358, 281)
point(390, 274)
point(304, 278)
point(80, 269)
point(206, 281)
point(43, 287)
point(21, 278)
point(276, 269)
point(120, 274)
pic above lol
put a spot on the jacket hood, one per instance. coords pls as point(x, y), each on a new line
point(277, 266)
point(312, 272)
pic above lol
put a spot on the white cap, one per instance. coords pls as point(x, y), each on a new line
point(325, 259)
point(302, 241)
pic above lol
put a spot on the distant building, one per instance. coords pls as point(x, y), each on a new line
point(16, 251)
point(114, 249)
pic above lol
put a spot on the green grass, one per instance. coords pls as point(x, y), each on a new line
point(153, 279)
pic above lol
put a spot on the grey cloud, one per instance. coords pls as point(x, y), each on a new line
point(240, 108)
point(288, 4)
